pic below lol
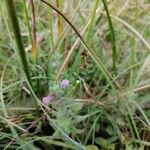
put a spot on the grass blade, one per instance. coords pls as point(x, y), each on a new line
point(18, 39)
point(113, 41)
point(35, 52)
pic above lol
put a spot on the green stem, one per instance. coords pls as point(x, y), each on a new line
point(21, 50)
point(112, 35)
point(92, 20)
point(27, 21)
point(18, 39)
point(35, 52)
point(51, 29)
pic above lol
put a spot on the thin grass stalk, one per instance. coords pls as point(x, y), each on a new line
point(60, 22)
point(35, 52)
point(27, 21)
point(60, 29)
point(18, 39)
point(92, 19)
point(50, 14)
point(112, 34)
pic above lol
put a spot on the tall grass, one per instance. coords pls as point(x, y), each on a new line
point(17, 35)
point(112, 34)
point(101, 47)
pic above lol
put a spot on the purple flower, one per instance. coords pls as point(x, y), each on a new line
point(47, 99)
point(64, 83)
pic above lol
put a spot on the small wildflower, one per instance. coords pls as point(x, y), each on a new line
point(64, 83)
point(47, 99)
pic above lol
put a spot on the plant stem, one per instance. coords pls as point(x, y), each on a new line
point(27, 21)
point(35, 52)
point(18, 39)
point(112, 35)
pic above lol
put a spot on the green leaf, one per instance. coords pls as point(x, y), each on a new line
point(110, 130)
point(102, 142)
point(92, 147)
point(76, 107)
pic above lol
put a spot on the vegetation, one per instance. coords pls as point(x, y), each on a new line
point(74, 74)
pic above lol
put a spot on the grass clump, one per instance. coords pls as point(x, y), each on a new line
point(83, 80)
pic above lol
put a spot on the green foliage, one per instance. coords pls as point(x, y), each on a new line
point(85, 42)
point(91, 147)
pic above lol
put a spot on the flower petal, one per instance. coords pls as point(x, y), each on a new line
point(47, 99)
point(64, 83)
